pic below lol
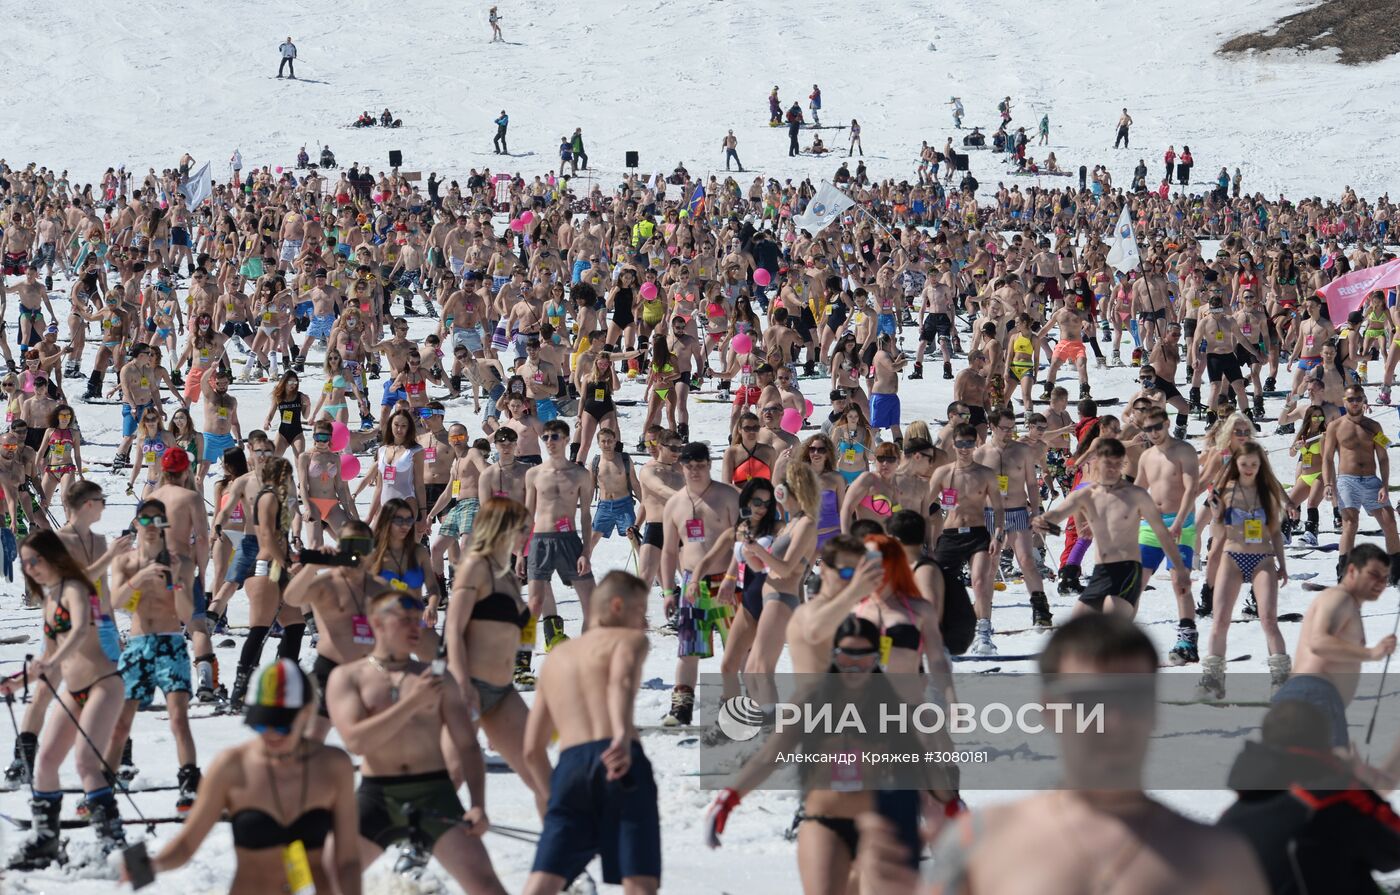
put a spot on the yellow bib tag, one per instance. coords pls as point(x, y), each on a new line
point(527, 633)
point(850, 455)
point(150, 456)
point(456, 487)
point(1253, 531)
point(133, 601)
point(1219, 335)
point(298, 869)
point(328, 388)
point(600, 394)
point(287, 416)
point(1003, 482)
point(885, 644)
point(396, 584)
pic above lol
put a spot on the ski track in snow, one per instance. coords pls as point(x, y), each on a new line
point(142, 82)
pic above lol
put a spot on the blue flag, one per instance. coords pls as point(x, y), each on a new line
point(697, 200)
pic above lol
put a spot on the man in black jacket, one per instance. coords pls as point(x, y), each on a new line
point(1313, 825)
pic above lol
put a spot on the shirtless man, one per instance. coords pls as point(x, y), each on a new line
point(541, 380)
point(884, 394)
point(615, 484)
point(1071, 324)
point(222, 428)
point(1119, 818)
point(155, 655)
point(1332, 642)
point(188, 533)
point(505, 477)
point(689, 358)
point(970, 389)
point(292, 234)
point(325, 304)
point(559, 495)
point(1150, 304)
point(965, 489)
point(1217, 336)
point(338, 596)
point(699, 524)
point(935, 323)
point(1355, 476)
point(1015, 468)
point(1170, 471)
point(393, 711)
point(33, 298)
point(1115, 511)
point(602, 795)
point(139, 383)
point(657, 481)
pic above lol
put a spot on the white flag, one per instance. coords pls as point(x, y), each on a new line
point(826, 206)
point(1122, 247)
point(198, 187)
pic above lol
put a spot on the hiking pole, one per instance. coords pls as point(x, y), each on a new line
point(111, 774)
point(1380, 692)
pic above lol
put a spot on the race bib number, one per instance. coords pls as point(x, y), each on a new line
point(429, 454)
point(145, 383)
point(150, 457)
point(1247, 329)
point(360, 631)
point(850, 455)
point(1253, 531)
point(886, 643)
point(600, 394)
point(527, 634)
point(298, 869)
point(563, 524)
point(456, 487)
point(1308, 341)
point(695, 529)
point(950, 498)
point(1003, 483)
point(399, 585)
point(390, 473)
point(539, 378)
point(1219, 335)
point(287, 417)
point(59, 450)
point(223, 413)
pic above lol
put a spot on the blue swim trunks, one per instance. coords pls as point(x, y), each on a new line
point(884, 411)
point(589, 815)
point(155, 661)
point(215, 445)
point(320, 326)
point(614, 515)
point(129, 417)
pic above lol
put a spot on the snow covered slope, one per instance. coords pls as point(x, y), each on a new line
point(140, 81)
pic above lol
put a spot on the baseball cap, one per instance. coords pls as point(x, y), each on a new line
point(175, 460)
point(279, 693)
point(695, 450)
point(320, 272)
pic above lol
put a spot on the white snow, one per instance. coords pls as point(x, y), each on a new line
point(137, 82)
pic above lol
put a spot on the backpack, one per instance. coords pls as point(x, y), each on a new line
point(626, 462)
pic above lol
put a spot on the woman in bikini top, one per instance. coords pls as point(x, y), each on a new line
point(278, 789)
point(1249, 525)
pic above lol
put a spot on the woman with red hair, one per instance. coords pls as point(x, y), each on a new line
point(910, 642)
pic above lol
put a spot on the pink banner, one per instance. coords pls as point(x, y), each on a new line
point(1346, 293)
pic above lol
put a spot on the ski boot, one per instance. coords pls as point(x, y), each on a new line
point(120, 462)
point(1185, 651)
point(127, 770)
point(1040, 611)
point(241, 677)
point(1045, 395)
point(982, 645)
point(553, 632)
point(1179, 433)
point(683, 431)
point(176, 378)
point(1385, 396)
point(1068, 582)
point(1258, 407)
point(21, 770)
point(682, 707)
point(1280, 667)
point(1117, 359)
point(206, 669)
point(107, 821)
point(524, 675)
point(1270, 384)
point(1361, 372)
point(43, 847)
point(1286, 429)
point(1211, 684)
point(918, 371)
point(1309, 538)
point(947, 369)
point(1207, 603)
point(188, 777)
point(1084, 391)
point(1107, 333)
point(412, 860)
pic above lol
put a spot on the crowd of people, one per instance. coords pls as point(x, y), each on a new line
point(815, 524)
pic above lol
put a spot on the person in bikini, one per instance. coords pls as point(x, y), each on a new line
point(323, 487)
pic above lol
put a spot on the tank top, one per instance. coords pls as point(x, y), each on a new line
point(397, 477)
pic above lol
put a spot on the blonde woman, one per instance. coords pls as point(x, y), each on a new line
point(486, 623)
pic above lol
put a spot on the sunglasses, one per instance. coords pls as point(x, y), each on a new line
point(846, 572)
point(1155, 428)
point(1352, 399)
point(147, 521)
point(817, 449)
point(761, 501)
point(282, 729)
point(964, 445)
point(856, 652)
point(552, 436)
point(748, 428)
point(886, 459)
point(31, 562)
point(403, 521)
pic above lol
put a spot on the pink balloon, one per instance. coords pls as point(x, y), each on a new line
point(279, 169)
point(762, 277)
point(527, 217)
point(648, 291)
point(340, 436)
point(809, 408)
point(743, 343)
point(792, 421)
point(517, 225)
point(349, 466)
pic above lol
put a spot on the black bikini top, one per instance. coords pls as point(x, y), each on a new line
point(498, 606)
point(255, 829)
point(904, 636)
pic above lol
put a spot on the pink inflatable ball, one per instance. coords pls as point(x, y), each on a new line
point(742, 343)
point(527, 217)
point(378, 198)
point(807, 408)
point(648, 291)
point(340, 436)
point(279, 169)
point(792, 421)
point(762, 277)
point(517, 225)
point(349, 466)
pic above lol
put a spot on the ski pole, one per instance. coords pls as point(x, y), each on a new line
point(1380, 693)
